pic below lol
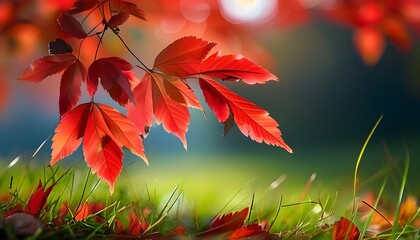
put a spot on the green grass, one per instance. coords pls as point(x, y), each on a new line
point(184, 197)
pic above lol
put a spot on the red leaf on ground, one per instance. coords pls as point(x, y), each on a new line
point(110, 72)
point(343, 228)
point(246, 231)
point(183, 57)
point(46, 66)
point(81, 6)
point(251, 120)
point(235, 67)
point(37, 200)
point(69, 132)
point(123, 6)
point(228, 222)
point(70, 87)
point(82, 212)
point(70, 25)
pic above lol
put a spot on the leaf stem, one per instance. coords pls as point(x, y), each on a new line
point(143, 66)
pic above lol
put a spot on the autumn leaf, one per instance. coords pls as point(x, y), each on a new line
point(70, 87)
point(246, 231)
point(141, 113)
point(183, 57)
point(180, 92)
point(87, 209)
point(227, 222)
point(118, 6)
point(81, 6)
point(70, 25)
point(37, 200)
point(69, 132)
point(251, 120)
point(46, 66)
point(344, 229)
point(82, 212)
point(105, 131)
point(118, 19)
point(152, 99)
point(235, 67)
point(174, 116)
point(110, 71)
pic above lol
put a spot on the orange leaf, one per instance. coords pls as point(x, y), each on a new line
point(83, 212)
point(180, 92)
point(344, 228)
point(123, 6)
point(101, 152)
point(183, 57)
point(123, 130)
point(69, 132)
point(408, 209)
point(251, 120)
point(173, 115)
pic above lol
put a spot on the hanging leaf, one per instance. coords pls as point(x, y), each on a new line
point(81, 6)
point(183, 57)
point(46, 66)
point(70, 25)
point(110, 72)
point(123, 6)
point(251, 120)
point(235, 67)
point(70, 87)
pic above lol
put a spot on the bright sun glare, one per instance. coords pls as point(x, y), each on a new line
point(248, 11)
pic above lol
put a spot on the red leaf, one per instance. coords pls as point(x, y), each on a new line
point(43, 67)
point(136, 226)
point(118, 19)
point(70, 25)
point(174, 116)
point(141, 113)
point(123, 130)
point(370, 44)
point(235, 67)
point(102, 153)
point(180, 92)
point(123, 6)
point(70, 88)
point(246, 231)
point(81, 6)
point(251, 120)
point(82, 212)
point(37, 200)
point(228, 222)
point(110, 72)
point(68, 134)
point(343, 228)
point(183, 57)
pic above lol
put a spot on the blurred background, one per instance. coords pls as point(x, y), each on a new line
point(341, 64)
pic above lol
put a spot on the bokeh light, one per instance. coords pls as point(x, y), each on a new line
point(248, 11)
